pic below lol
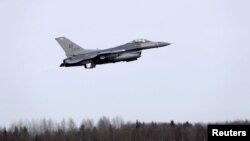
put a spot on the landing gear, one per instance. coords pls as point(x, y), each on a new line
point(89, 65)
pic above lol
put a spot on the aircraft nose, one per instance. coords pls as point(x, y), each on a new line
point(162, 44)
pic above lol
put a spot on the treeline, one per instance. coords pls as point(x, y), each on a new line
point(104, 130)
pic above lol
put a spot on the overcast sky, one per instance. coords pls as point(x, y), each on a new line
point(203, 76)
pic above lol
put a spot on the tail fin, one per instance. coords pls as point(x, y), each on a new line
point(69, 47)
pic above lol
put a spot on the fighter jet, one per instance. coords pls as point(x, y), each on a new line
point(77, 56)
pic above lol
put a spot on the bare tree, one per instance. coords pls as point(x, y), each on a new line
point(117, 122)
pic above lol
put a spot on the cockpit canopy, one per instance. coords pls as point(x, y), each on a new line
point(140, 41)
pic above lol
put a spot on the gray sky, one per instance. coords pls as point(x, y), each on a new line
point(203, 76)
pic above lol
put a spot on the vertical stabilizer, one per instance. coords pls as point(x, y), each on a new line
point(69, 47)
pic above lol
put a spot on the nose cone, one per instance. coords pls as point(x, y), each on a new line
point(162, 44)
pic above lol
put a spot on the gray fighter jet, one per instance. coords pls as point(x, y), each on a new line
point(77, 56)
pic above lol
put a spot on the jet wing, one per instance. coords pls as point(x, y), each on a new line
point(91, 55)
point(81, 57)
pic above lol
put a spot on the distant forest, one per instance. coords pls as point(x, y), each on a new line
point(105, 130)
